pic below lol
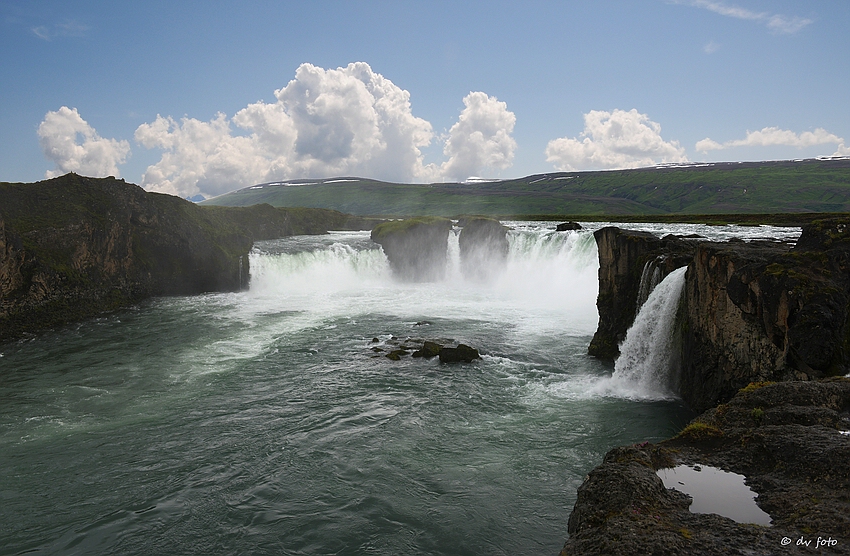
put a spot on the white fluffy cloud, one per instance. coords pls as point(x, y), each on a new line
point(74, 146)
point(842, 150)
point(344, 121)
point(480, 139)
point(773, 136)
point(613, 140)
point(199, 156)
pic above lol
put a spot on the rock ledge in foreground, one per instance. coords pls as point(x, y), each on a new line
point(785, 438)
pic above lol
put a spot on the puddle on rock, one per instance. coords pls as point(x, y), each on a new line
point(715, 491)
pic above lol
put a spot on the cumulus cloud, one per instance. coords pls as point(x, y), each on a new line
point(325, 122)
point(777, 23)
point(772, 136)
point(480, 139)
point(74, 146)
point(198, 156)
point(613, 140)
point(842, 150)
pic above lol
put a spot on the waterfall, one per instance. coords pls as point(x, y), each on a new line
point(649, 279)
point(549, 280)
point(648, 358)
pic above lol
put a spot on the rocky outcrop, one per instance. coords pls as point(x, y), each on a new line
point(447, 350)
point(623, 257)
point(483, 246)
point(785, 438)
point(759, 311)
point(73, 247)
point(416, 247)
point(750, 311)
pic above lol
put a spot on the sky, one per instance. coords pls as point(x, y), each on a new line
point(202, 98)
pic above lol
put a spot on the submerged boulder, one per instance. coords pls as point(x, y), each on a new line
point(429, 349)
point(460, 354)
point(483, 248)
point(415, 247)
point(399, 348)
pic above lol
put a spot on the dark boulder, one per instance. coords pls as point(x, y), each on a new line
point(416, 247)
point(568, 226)
point(460, 354)
point(429, 349)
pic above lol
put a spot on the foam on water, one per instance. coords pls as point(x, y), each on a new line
point(648, 358)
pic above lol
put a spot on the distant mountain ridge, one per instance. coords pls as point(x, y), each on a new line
point(810, 185)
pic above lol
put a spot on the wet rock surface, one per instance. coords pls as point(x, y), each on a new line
point(750, 312)
point(785, 438)
point(415, 247)
point(623, 255)
point(448, 350)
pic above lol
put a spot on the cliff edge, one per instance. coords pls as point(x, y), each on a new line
point(788, 440)
point(73, 247)
point(760, 311)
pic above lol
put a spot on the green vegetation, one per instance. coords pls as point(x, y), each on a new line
point(396, 226)
point(751, 387)
point(698, 430)
point(722, 190)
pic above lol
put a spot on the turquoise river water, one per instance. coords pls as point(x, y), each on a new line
point(261, 422)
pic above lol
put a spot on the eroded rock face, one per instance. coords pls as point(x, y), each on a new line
point(72, 247)
point(783, 437)
point(623, 255)
point(750, 311)
point(483, 248)
point(415, 248)
point(757, 312)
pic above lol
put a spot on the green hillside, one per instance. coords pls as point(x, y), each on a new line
point(720, 188)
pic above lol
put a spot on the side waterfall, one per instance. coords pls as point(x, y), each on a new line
point(649, 279)
point(648, 358)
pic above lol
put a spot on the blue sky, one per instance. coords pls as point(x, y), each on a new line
point(206, 97)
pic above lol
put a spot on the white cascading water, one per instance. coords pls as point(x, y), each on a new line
point(648, 360)
point(649, 279)
point(549, 281)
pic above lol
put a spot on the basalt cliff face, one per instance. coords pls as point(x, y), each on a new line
point(415, 247)
point(73, 247)
point(624, 257)
point(750, 312)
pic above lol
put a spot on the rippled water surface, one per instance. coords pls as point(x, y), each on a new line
point(263, 423)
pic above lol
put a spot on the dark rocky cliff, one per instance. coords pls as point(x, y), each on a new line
point(757, 312)
point(73, 247)
point(790, 440)
point(751, 311)
point(623, 256)
point(415, 247)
